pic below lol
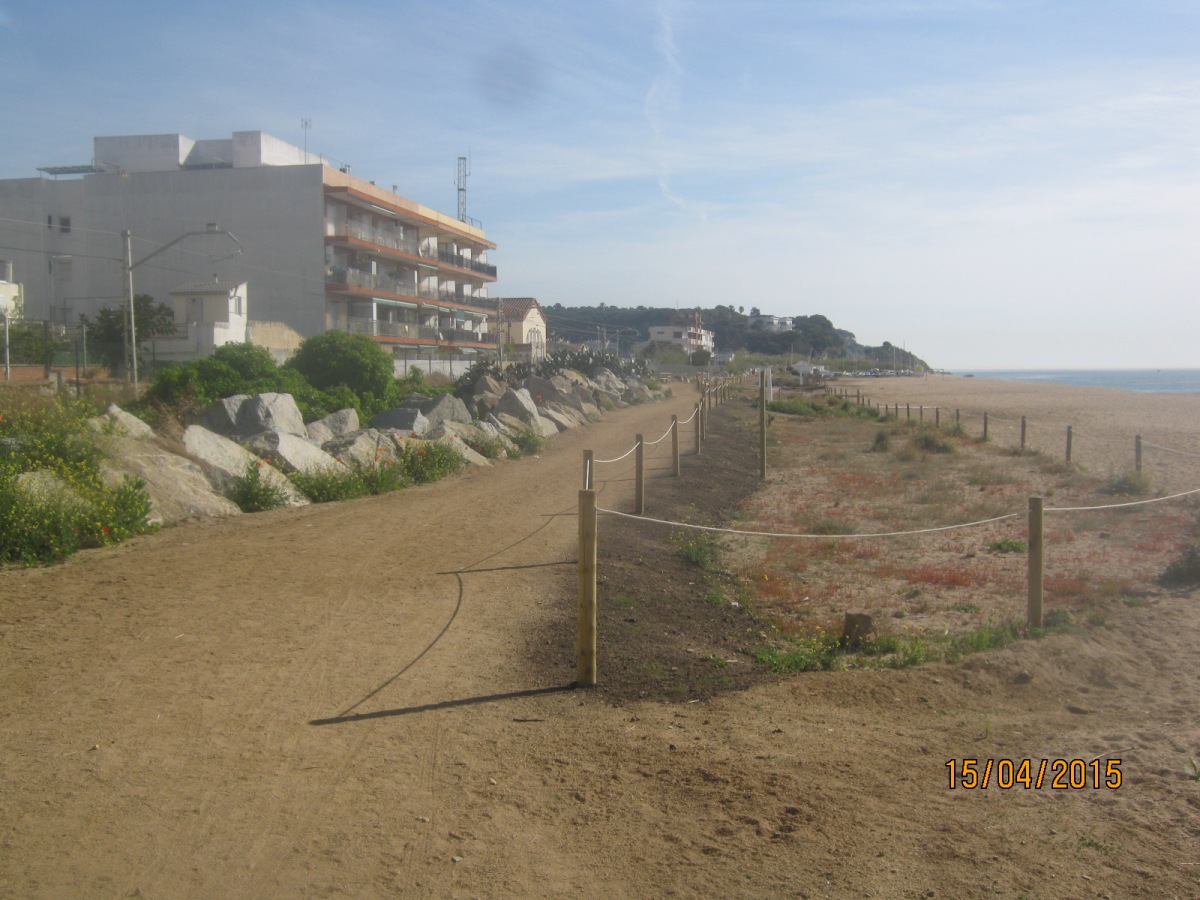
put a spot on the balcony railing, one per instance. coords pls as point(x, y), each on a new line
point(466, 262)
point(377, 328)
point(391, 284)
point(378, 236)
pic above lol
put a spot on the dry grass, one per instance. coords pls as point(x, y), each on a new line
point(829, 478)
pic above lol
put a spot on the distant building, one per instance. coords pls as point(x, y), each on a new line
point(321, 249)
point(771, 324)
point(523, 326)
point(207, 315)
point(10, 292)
point(687, 331)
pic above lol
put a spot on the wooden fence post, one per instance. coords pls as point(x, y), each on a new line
point(762, 425)
point(696, 419)
point(675, 446)
point(586, 645)
point(639, 490)
point(1022, 434)
point(1137, 454)
point(1036, 562)
point(1070, 431)
point(589, 469)
point(937, 417)
point(985, 426)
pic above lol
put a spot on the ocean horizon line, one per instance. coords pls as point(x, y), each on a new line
point(1141, 380)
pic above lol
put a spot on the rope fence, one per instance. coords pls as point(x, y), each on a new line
point(1022, 425)
point(711, 396)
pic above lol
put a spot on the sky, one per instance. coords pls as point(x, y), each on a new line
point(992, 184)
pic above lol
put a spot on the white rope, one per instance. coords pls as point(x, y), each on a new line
point(826, 537)
point(695, 410)
point(661, 439)
point(1120, 505)
point(1146, 443)
point(619, 458)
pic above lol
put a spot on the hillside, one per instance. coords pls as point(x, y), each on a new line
point(813, 335)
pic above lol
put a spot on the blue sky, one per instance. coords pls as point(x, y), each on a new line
point(992, 183)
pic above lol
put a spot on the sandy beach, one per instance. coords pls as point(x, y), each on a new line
point(1104, 421)
point(372, 698)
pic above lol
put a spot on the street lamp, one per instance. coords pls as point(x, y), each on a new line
point(130, 265)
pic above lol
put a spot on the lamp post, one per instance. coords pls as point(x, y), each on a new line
point(130, 265)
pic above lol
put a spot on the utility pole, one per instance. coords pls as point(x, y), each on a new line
point(131, 322)
point(130, 265)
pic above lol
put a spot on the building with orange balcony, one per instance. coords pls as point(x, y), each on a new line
point(316, 247)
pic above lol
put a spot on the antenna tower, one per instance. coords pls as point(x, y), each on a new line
point(306, 124)
point(464, 169)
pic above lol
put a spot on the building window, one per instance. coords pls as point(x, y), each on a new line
point(64, 224)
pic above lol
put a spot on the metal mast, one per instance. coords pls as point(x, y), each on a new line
point(464, 169)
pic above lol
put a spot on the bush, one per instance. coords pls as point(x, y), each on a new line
point(355, 361)
point(1184, 571)
point(932, 441)
point(426, 461)
point(528, 443)
point(1131, 484)
point(47, 526)
point(253, 493)
point(329, 485)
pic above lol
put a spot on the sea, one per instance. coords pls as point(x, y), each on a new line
point(1147, 381)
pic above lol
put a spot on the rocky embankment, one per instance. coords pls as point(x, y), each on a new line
point(191, 475)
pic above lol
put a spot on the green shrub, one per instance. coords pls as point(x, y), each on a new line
point(881, 443)
point(254, 493)
point(795, 406)
point(1130, 484)
point(329, 485)
point(488, 447)
point(1184, 571)
point(1009, 545)
point(335, 358)
point(529, 443)
point(40, 526)
point(931, 441)
point(700, 548)
point(426, 461)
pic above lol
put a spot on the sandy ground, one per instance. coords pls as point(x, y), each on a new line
point(326, 702)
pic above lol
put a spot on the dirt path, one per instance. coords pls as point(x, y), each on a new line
point(159, 699)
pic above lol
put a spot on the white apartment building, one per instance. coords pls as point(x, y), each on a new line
point(687, 330)
point(771, 324)
point(320, 248)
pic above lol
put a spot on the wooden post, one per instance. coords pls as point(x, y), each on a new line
point(1137, 454)
point(696, 419)
point(937, 417)
point(1070, 431)
point(586, 646)
point(985, 426)
point(762, 425)
point(589, 469)
point(1036, 562)
point(639, 490)
point(675, 446)
point(956, 419)
point(907, 411)
point(704, 418)
point(921, 412)
point(1022, 434)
